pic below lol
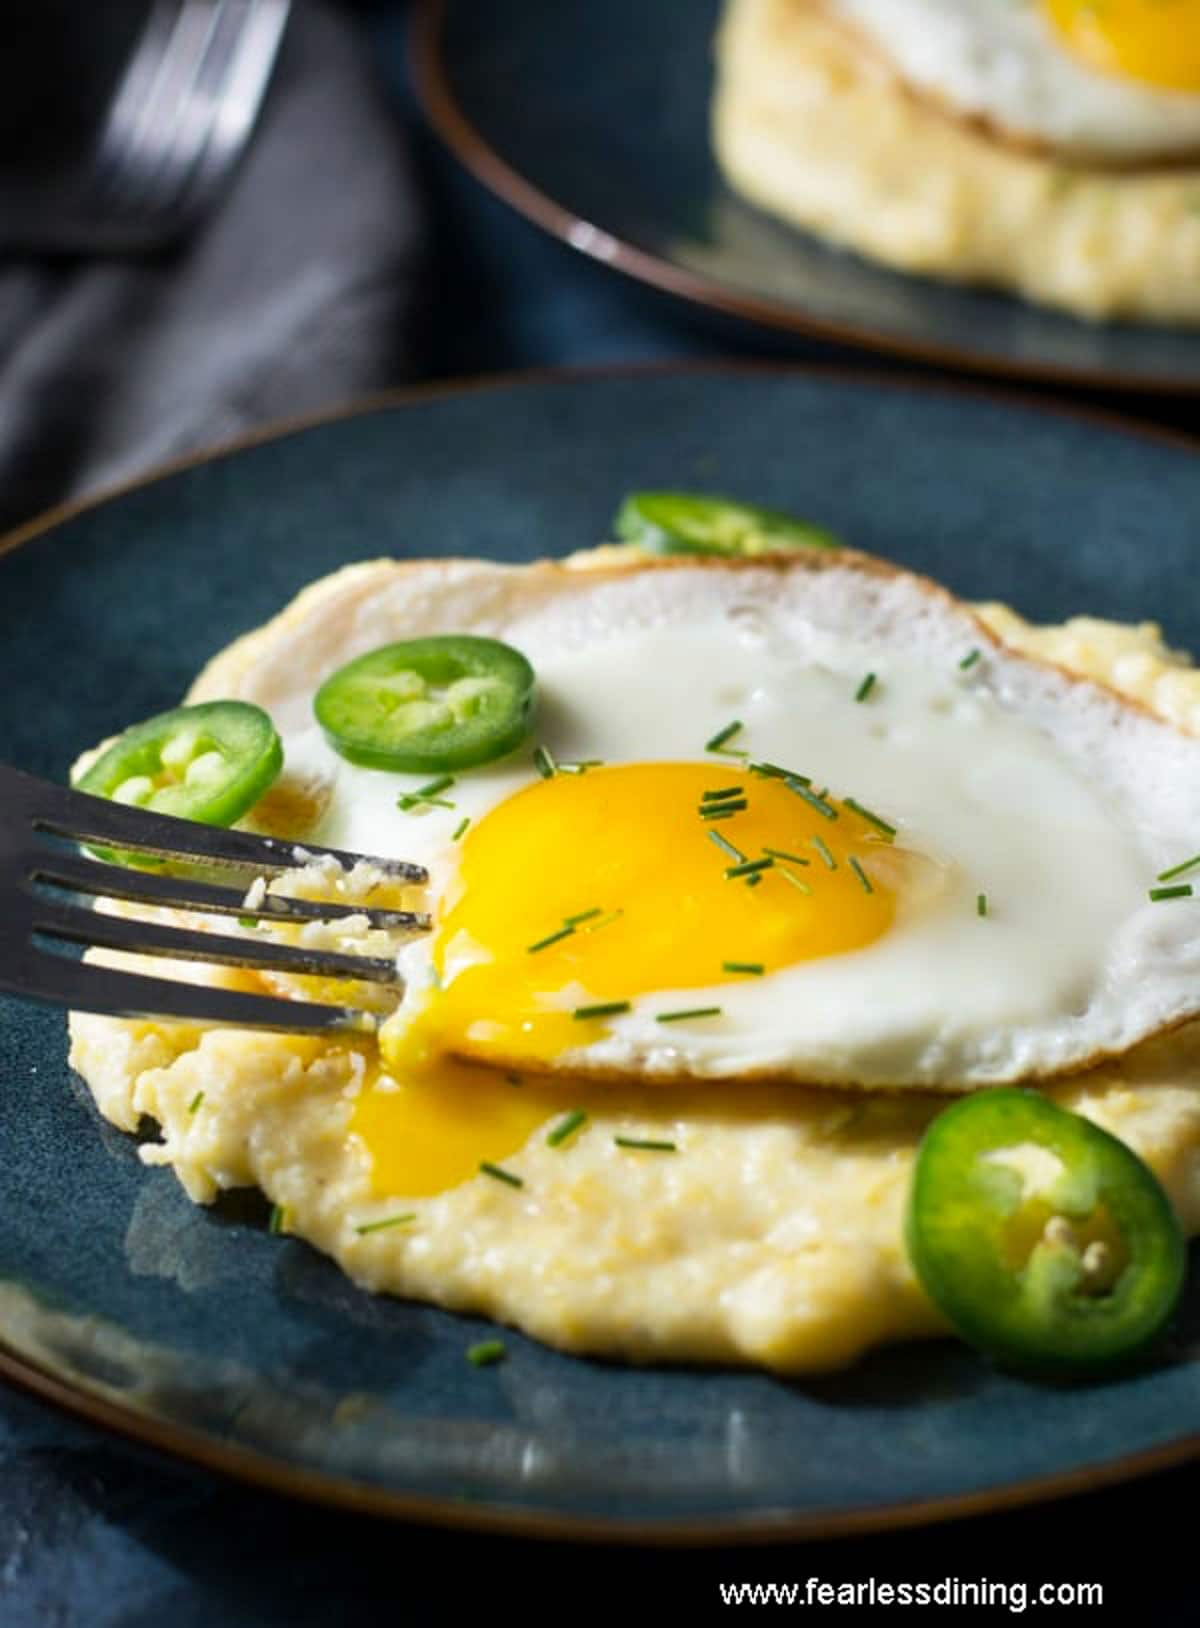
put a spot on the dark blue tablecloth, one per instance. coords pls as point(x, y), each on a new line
point(93, 1533)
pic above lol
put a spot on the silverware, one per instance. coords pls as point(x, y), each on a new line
point(42, 881)
point(179, 118)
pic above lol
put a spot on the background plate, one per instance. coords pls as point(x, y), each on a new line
point(198, 1330)
point(593, 120)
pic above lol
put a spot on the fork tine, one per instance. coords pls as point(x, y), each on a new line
point(81, 817)
point(92, 876)
point(80, 925)
point(88, 987)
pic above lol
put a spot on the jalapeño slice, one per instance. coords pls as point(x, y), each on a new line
point(691, 523)
point(210, 762)
point(446, 702)
point(1043, 1239)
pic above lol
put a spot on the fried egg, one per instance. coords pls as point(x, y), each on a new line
point(1117, 82)
point(940, 880)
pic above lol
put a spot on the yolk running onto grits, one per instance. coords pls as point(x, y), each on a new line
point(605, 887)
point(1157, 41)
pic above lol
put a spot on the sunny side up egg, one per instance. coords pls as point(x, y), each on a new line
point(948, 866)
point(1118, 82)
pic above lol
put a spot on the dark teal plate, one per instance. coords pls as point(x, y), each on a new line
point(199, 1331)
point(592, 118)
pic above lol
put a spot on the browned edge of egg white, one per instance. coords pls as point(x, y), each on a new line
point(245, 1465)
point(470, 147)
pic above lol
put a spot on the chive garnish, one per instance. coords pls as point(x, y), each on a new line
point(812, 798)
point(796, 881)
point(723, 795)
point(601, 1009)
point(861, 874)
point(1177, 870)
point(460, 828)
point(247, 921)
point(773, 771)
point(279, 1218)
point(566, 1127)
point(388, 1221)
point(865, 688)
point(720, 811)
point(489, 1169)
point(435, 787)
point(969, 660)
point(689, 1012)
point(195, 1102)
point(485, 1353)
point(550, 938)
point(723, 735)
point(429, 794)
point(735, 854)
point(645, 1142)
point(753, 881)
point(606, 921)
point(583, 915)
point(1181, 890)
point(819, 845)
point(872, 819)
point(981, 904)
point(543, 762)
point(754, 968)
point(782, 853)
point(748, 868)
point(581, 765)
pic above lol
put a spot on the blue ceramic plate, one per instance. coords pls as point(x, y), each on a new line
point(593, 120)
point(196, 1329)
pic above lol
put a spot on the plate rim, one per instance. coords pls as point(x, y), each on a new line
point(180, 1444)
point(431, 82)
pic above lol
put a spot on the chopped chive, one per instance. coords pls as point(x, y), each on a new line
point(748, 868)
point(489, 1169)
point(414, 799)
point(861, 874)
point(728, 847)
point(753, 881)
point(981, 904)
point(689, 1012)
point(754, 968)
point(581, 765)
point(435, 787)
point(606, 921)
point(460, 828)
point(782, 853)
point(873, 819)
point(279, 1218)
point(969, 660)
point(247, 921)
point(388, 1221)
point(543, 762)
point(774, 771)
point(485, 1353)
point(819, 845)
point(195, 1102)
point(720, 796)
point(601, 1009)
point(566, 1127)
point(812, 798)
point(645, 1142)
point(796, 881)
point(583, 915)
point(1181, 890)
point(865, 688)
point(719, 811)
point(723, 735)
point(1177, 870)
point(550, 938)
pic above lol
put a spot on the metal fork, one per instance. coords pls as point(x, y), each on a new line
point(179, 118)
point(41, 882)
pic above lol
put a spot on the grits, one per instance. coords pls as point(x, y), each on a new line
point(773, 1236)
point(810, 125)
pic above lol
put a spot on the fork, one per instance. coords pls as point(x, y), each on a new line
point(43, 884)
point(178, 120)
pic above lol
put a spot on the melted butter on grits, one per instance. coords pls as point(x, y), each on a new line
point(772, 1236)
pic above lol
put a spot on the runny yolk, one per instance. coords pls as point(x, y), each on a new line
point(603, 887)
point(1157, 41)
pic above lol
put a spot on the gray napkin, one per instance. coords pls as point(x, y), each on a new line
point(297, 294)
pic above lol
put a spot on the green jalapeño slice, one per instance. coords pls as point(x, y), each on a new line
point(1043, 1239)
point(690, 523)
point(428, 704)
point(210, 762)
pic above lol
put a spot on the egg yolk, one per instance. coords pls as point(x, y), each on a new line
point(593, 890)
point(1157, 41)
